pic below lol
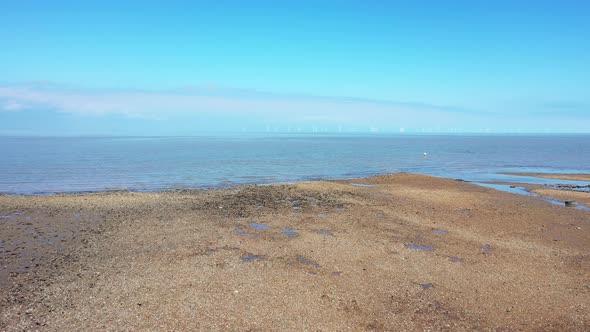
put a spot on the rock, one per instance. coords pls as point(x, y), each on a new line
point(571, 203)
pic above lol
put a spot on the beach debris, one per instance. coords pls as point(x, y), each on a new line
point(487, 249)
point(251, 257)
point(305, 261)
point(426, 286)
point(425, 154)
point(260, 227)
point(290, 232)
point(322, 214)
point(440, 232)
point(571, 203)
point(418, 247)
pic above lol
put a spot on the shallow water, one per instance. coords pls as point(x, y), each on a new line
point(249, 257)
point(242, 232)
point(325, 232)
point(362, 185)
point(52, 165)
point(290, 232)
point(260, 227)
point(305, 261)
point(526, 192)
point(419, 247)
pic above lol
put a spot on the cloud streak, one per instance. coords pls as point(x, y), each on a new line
point(226, 105)
point(197, 100)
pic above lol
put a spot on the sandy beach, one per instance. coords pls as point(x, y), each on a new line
point(390, 253)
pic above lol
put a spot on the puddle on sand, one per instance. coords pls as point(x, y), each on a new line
point(296, 208)
point(251, 257)
point(211, 251)
point(362, 185)
point(322, 214)
point(305, 261)
point(325, 232)
point(260, 227)
point(290, 232)
point(524, 191)
point(14, 215)
point(455, 259)
point(426, 286)
point(418, 247)
point(242, 232)
point(440, 232)
point(487, 249)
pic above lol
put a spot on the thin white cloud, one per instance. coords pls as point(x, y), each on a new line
point(11, 105)
point(235, 105)
point(159, 103)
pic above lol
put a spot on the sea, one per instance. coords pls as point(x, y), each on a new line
point(51, 165)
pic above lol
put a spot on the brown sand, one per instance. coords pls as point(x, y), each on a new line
point(174, 261)
point(574, 177)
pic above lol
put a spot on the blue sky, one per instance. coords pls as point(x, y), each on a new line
point(143, 68)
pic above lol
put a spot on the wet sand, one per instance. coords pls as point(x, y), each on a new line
point(390, 253)
point(574, 177)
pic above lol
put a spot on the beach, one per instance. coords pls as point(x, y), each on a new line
point(397, 252)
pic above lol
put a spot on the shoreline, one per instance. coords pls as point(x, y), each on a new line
point(400, 251)
point(580, 177)
point(555, 176)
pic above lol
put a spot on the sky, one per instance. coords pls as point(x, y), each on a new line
point(186, 68)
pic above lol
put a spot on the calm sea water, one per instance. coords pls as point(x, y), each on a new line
point(54, 165)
